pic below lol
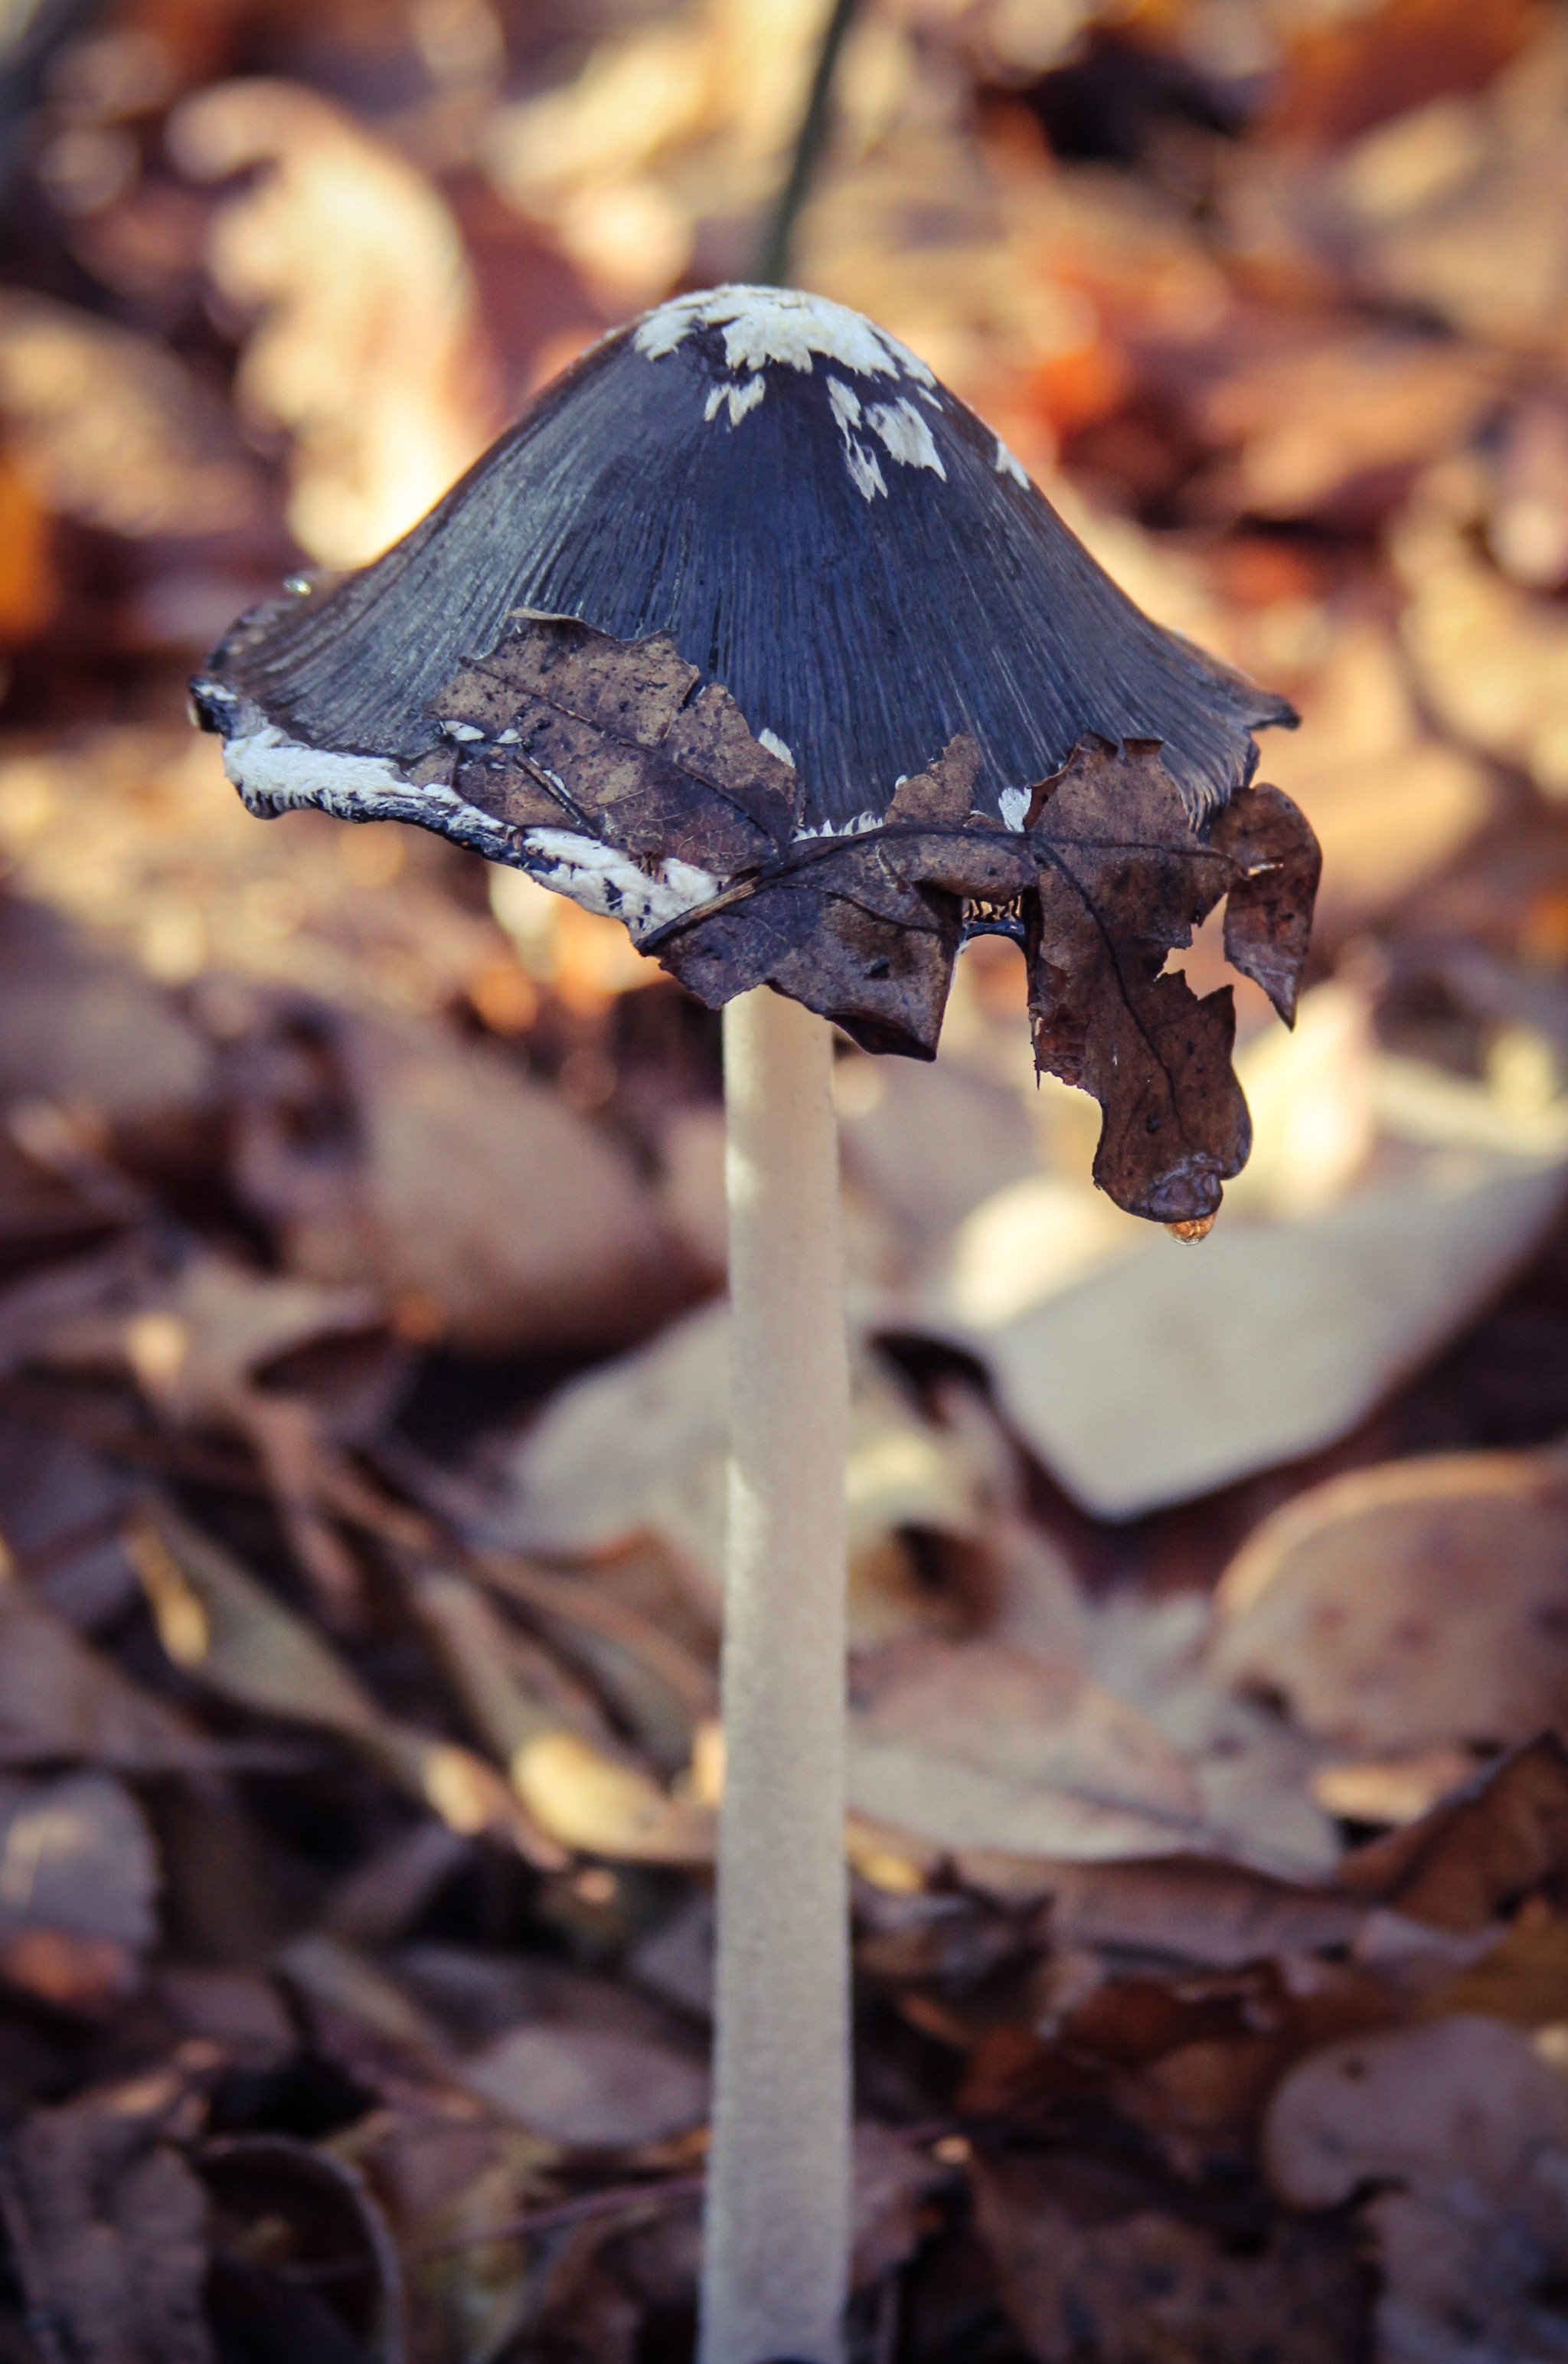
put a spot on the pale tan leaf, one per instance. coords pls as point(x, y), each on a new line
point(592, 2088)
point(1421, 1602)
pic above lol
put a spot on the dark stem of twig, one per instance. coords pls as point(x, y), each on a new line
point(774, 256)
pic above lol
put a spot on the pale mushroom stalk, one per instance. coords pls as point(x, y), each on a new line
point(776, 2256)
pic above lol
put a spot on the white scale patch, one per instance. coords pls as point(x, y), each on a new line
point(274, 772)
point(1008, 463)
point(776, 746)
point(783, 326)
point(740, 399)
point(1014, 806)
point(602, 879)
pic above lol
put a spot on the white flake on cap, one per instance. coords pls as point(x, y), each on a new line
point(865, 473)
point(762, 325)
point(766, 326)
point(1014, 806)
point(602, 879)
point(741, 398)
point(274, 774)
point(1008, 463)
point(899, 425)
point(776, 746)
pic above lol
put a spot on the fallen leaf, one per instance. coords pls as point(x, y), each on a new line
point(110, 427)
point(1469, 2125)
point(369, 350)
point(1086, 2263)
point(641, 1447)
point(302, 2256)
point(471, 1195)
point(1523, 1978)
point(981, 1746)
point(108, 2225)
point(1390, 802)
point(63, 1701)
point(225, 1630)
point(590, 2088)
point(1488, 653)
point(1391, 1789)
point(1476, 1854)
point(78, 1877)
point(1217, 1916)
point(1401, 1607)
point(574, 1783)
point(83, 1028)
point(1142, 1373)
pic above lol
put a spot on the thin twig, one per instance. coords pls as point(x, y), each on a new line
point(773, 257)
point(586, 2205)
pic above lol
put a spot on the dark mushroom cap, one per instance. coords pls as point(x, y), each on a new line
point(750, 632)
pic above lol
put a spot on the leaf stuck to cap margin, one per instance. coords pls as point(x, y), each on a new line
point(564, 727)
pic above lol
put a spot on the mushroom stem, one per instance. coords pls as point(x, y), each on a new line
point(777, 2235)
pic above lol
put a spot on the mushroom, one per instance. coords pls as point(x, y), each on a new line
point(753, 635)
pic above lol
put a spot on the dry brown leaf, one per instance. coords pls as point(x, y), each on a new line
point(62, 1702)
point(1391, 1789)
point(1415, 1604)
point(107, 426)
point(1522, 1979)
point(592, 2089)
point(79, 1878)
point(573, 1782)
point(1473, 1858)
point(641, 1447)
point(1311, 422)
point(1455, 206)
point(1086, 2265)
point(227, 1630)
point(1143, 1373)
point(280, 2208)
point(980, 1746)
point(368, 351)
point(1391, 803)
point(108, 2225)
point(1469, 2125)
point(1490, 656)
point(85, 1030)
point(1220, 1916)
point(475, 1199)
